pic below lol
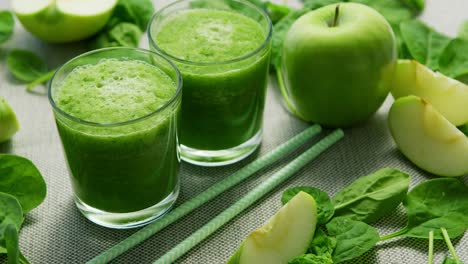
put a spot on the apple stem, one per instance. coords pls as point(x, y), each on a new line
point(337, 13)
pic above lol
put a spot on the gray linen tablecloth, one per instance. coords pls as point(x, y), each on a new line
point(56, 232)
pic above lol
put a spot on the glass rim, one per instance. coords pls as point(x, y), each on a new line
point(120, 123)
point(237, 59)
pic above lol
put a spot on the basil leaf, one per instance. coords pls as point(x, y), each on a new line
point(25, 65)
point(353, 238)
point(453, 61)
point(424, 43)
point(324, 206)
point(435, 204)
point(7, 24)
point(10, 214)
point(138, 12)
point(20, 178)
point(371, 197)
point(463, 31)
point(311, 259)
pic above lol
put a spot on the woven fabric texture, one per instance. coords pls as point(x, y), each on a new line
point(56, 232)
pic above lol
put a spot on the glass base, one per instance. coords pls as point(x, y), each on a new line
point(128, 220)
point(212, 158)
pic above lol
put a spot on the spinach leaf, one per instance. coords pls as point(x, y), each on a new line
point(463, 31)
point(7, 24)
point(25, 65)
point(416, 5)
point(395, 11)
point(325, 208)
point(424, 43)
point(20, 178)
point(138, 12)
point(322, 244)
point(10, 214)
point(353, 238)
point(371, 197)
point(11, 243)
point(434, 204)
point(464, 129)
point(122, 35)
point(311, 259)
point(453, 61)
point(449, 260)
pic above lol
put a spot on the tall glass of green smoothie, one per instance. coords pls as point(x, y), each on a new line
point(117, 112)
point(222, 49)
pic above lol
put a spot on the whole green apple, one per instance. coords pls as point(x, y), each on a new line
point(336, 60)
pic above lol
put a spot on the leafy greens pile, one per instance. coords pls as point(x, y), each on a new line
point(22, 189)
point(436, 209)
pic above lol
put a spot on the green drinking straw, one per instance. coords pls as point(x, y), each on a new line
point(255, 194)
point(205, 196)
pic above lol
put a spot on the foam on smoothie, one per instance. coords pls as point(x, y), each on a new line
point(114, 91)
point(208, 35)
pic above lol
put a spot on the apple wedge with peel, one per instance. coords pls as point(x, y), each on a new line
point(8, 122)
point(63, 20)
point(427, 138)
point(284, 236)
point(448, 96)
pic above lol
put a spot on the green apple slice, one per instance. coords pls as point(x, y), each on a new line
point(427, 138)
point(284, 236)
point(8, 122)
point(63, 20)
point(448, 96)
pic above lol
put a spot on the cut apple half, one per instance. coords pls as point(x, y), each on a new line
point(427, 138)
point(284, 236)
point(448, 96)
point(63, 20)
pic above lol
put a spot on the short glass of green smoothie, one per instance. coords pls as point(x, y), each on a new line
point(117, 113)
point(222, 49)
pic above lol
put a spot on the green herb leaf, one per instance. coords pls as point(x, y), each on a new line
point(10, 214)
point(122, 35)
point(311, 259)
point(373, 196)
point(25, 65)
point(424, 43)
point(453, 61)
point(395, 11)
point(449, 260)
point(353, 238)
point(463, 31)
point(20, 178)
point(324, 206)
point(7, 24)
point(12, 244)
point(321, 244)
point(138, 12)
point(434, 204)
point(416, 5)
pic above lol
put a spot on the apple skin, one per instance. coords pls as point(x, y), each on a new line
point(335, 76)
point(55, 26)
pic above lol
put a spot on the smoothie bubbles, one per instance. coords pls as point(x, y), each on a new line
point(223, 56)
point(117, 113)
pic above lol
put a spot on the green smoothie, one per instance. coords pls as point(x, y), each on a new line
point(222, 102)
point(122, 167)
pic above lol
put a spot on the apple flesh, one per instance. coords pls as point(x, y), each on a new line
point(448, 96)
point(427, 138)
point(285, 236)
point(63, 20)
point(8, 122)
point(334, 75)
